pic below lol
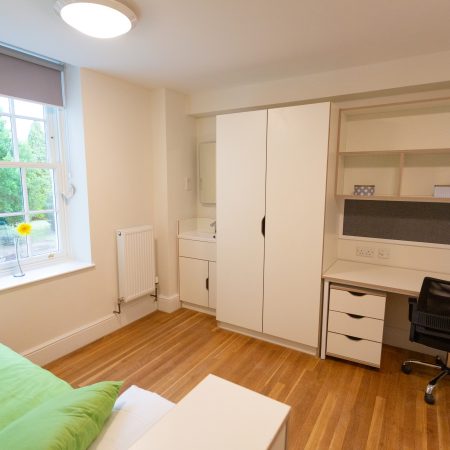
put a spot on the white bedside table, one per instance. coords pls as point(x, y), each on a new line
point(220, 415)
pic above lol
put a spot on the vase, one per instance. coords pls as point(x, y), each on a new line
point(19, 272)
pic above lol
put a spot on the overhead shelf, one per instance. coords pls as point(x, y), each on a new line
point(404, 150)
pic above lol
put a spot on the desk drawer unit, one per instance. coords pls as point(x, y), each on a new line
point(355, 325)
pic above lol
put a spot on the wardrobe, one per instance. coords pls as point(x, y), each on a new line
point(271, 184)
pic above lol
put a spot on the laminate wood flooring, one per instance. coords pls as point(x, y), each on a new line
point(335, 404)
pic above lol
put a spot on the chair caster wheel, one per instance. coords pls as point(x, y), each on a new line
point(406, 368)
point(429, 398)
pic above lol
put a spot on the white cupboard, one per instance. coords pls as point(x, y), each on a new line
point(197, 272)
point(194, 281)
point(272, 164)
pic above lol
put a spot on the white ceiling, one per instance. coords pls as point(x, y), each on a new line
point(193, 45)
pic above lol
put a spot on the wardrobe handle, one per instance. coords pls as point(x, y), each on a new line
point(207, 284)
point(263, 226)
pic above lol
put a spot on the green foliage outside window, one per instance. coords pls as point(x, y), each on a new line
point(39, 181)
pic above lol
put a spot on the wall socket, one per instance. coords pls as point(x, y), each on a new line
point(366, 252)
point(384, 253)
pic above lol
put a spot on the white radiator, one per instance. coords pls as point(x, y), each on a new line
point(136, 262)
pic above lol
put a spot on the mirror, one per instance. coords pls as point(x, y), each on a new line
point(207, 172)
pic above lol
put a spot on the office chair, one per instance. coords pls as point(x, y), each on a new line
point(430, 325)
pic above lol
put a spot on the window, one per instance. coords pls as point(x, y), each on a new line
point(31, 176)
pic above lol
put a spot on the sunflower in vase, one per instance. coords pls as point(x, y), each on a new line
point(23, 229)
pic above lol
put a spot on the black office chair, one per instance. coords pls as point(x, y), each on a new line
point(430, 325)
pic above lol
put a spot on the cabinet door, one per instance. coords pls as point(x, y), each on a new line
point(193, 276)
point(241, 170)
point(297, 148)
point(212, 300)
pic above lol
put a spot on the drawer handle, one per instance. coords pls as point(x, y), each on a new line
point(357, 294)
point(353, 338)
point(354, 316)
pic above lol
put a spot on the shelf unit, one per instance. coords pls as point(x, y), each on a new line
point(402, 149)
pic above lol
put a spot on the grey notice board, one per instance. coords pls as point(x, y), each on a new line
point(403, 221)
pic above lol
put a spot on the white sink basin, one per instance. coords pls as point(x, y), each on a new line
point(195, 235)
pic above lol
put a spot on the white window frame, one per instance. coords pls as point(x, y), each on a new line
point(53, 126)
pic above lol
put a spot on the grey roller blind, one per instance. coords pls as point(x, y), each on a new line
point(30, 78)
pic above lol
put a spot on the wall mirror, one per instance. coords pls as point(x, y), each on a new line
point(207, 172)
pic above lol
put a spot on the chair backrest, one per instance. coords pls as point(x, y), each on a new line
point(434, 297)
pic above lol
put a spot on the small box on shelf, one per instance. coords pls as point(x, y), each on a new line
point(441, 191)
point(365, 190)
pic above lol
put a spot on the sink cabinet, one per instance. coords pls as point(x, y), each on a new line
point(197, 270)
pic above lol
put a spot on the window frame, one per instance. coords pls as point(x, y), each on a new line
point(53, 120)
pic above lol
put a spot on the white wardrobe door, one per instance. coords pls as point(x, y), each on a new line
point(241, 169)
point(297, 147)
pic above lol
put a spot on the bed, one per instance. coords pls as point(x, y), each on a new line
point(39, 411)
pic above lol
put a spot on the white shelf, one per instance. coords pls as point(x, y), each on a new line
point(402, 149)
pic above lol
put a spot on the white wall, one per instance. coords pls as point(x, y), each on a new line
point(205, 132)
point(401, 73)
point(118, 162)
point(181, 165)
point(157, 123)
point(173, 144)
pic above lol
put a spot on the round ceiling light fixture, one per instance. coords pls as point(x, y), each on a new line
point(97, 18)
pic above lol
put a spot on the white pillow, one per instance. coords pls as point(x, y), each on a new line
point(134, 412)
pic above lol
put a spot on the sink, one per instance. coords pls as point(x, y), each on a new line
point(197, 229)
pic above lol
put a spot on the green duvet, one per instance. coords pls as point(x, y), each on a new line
point(24, 385)
point(41, 412)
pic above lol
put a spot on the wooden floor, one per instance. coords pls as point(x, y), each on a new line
point(335, 404)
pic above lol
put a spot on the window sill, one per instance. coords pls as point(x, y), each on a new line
point(44, 273)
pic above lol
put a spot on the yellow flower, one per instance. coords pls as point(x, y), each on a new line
point(24, 229)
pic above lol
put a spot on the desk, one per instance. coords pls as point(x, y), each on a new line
point(220, 415)
point(371, 276)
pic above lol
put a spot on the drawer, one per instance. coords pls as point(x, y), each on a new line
point(197, 249)
point(367, 305)
point(361, 327)
point(362, 351)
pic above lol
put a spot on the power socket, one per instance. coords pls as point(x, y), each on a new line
point(366, 252)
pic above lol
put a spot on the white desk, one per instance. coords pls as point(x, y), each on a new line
point(371, 276)
point(219, 415)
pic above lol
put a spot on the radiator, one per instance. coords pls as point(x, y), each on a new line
point(136, 262)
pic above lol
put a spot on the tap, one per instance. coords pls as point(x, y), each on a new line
point(213, 224)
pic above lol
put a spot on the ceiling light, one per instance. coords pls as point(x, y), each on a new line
point(97, 18)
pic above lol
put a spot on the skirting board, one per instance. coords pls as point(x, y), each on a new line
point(73, 340)
point(168, 304)
point(272, 339)
point(203, 309)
